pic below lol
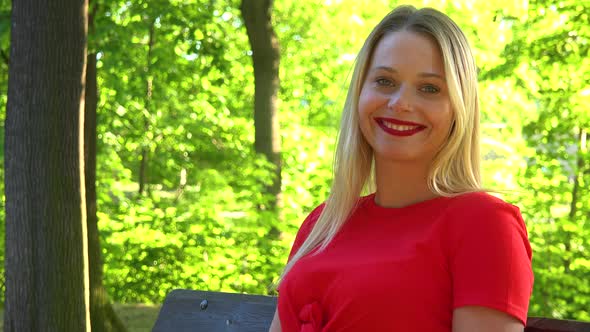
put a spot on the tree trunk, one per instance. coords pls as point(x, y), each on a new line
point(103, 317)
point(146, 124)
point(578, 174)
point(265, 57)
point(47, 281)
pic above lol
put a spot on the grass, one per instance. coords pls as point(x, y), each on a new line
point(136, 317)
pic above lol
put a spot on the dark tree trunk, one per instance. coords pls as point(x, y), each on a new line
point(578, 174)
point(47, 281)
point(103, 317)
point(265, 57)
point(143, 166)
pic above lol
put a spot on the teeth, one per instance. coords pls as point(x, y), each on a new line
point(399, 127)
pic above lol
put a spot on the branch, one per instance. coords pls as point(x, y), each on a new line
point(579, 166)
point(5, 57)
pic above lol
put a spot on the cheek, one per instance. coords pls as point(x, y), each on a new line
point(363, 107)
point(441, 114)
point(369, 102)
point(364, 114)
point(362, 104)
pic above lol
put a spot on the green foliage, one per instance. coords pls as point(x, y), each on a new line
point(214, 235)
point(551, 45)
point(205, 235)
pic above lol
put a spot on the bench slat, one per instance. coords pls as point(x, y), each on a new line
point(224, 312)
point(540, 324)
point(231, 312)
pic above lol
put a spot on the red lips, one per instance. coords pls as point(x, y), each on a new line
point(386, 125)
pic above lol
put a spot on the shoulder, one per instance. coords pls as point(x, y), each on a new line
point(311, 218)
point(306, 228)
point(479, 200)
point(483, 213)
point(481, 205)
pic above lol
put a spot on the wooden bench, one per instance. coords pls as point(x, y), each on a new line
point(198, 311)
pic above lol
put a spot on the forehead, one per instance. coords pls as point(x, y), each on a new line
point(408, 51)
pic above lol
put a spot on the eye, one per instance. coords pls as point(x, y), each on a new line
point(430, 89)
point(384, 82)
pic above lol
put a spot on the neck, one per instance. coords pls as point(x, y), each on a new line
point(401, 184)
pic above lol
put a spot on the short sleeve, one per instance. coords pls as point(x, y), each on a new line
point(491, 259)
point(305, 229)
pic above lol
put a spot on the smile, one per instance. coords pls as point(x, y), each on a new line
point(399, 128)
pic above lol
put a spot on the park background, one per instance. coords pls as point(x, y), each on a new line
point(187, 195)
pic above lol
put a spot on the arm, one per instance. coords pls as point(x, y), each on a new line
point(482, 319)
point(275, 326)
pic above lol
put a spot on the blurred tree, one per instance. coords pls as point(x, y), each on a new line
point(265, 57)
point(205, 176)
point(47, 287)
point(144, 153)
point(102, 316)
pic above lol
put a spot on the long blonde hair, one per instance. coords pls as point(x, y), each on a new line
point(454, 170)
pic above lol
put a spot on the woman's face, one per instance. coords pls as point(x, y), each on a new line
point(405, 112)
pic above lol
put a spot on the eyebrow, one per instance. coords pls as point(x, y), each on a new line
point(393, 71)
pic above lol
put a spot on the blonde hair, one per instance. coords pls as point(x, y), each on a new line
point(455, 168)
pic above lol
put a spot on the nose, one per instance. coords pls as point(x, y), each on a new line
point(400, 100)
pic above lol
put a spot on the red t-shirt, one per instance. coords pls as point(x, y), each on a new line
point(406, 269)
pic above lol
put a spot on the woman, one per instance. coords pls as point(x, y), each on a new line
point(429, 250)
